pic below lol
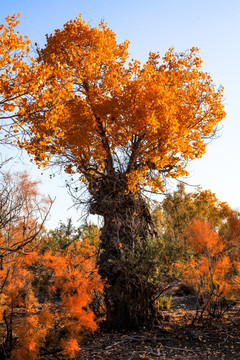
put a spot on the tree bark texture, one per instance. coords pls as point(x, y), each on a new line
point(129, 299)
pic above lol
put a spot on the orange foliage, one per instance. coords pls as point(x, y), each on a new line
point(74, 279)
point(210, 269)
point(17, 75)
point(70, 348)
point(23, 212)
point(17, 295)
point(204, 240)
point(75, 275)
point(67, 280)
point(97, 113)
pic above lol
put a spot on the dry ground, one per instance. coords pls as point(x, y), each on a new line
point(172, 338)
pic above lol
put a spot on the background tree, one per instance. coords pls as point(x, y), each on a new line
point(23, 212)
point(179, 209)
point(124, 127)
point(231, 232)
point(64, 235)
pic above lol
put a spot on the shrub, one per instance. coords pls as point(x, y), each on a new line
point(209, 270)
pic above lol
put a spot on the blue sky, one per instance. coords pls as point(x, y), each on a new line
point(155, 25)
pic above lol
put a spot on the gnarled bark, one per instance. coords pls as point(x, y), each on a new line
point(129, 298)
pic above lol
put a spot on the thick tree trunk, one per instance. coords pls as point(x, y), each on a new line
point(129, 297)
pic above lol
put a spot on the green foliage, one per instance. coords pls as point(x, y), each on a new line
point(164, 302)
point(63, 236)
point(178, 210)
point(147, 259)
point(90, 234)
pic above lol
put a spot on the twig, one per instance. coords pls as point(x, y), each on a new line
point(134, 337)
point(182, 349)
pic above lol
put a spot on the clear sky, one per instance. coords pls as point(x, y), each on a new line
point(155, 25)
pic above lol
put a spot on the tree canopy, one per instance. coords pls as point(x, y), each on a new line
point(99, 114)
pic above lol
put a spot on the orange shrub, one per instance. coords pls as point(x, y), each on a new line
point(209, 269)
point(64, 314)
